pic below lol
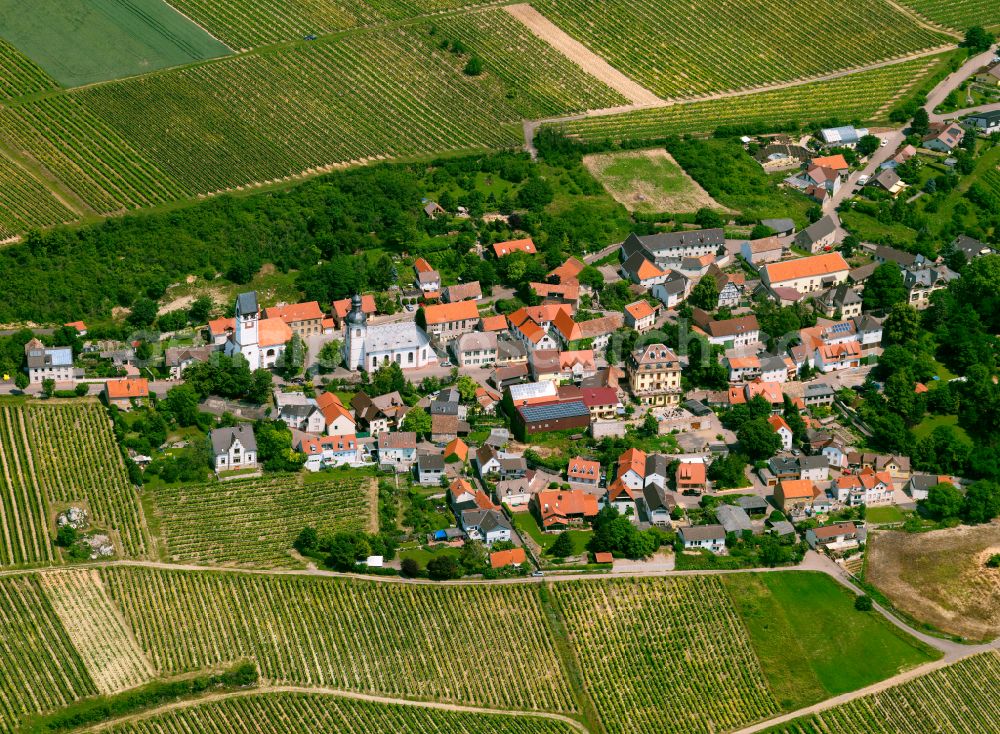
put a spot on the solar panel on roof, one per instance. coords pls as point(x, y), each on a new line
point(554, 411)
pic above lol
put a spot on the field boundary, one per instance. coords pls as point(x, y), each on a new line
point(335, 692)
point(580, 55)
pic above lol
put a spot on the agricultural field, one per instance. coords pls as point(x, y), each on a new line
point(680, 50)
point(25, 203)
point(648, 181)
point(538, 80)
point(278, 713)
point(76, 460)
point(85, 41)
point(811, 642)
point(960, 14)
point(24, 508)
point(866, 96)
point(261, 118)
point(958, 699)
point(39, 669)
point(97, 630)
point(255, 522)
point(392, 639)
point(939, 577)
point(19, 75)
point(664, 655)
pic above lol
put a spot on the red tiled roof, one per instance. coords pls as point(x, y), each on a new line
point(130, 387)
point(307, 311)
point(512, 557)
point(447, 312)
point(343, 307)
point(502, 249)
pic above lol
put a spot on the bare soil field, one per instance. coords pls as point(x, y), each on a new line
point(941, 577)
point(649, 181)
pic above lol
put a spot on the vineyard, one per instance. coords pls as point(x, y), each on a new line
point(76, 460)
point(539, 80)
point(39, 669)
point(278, 713)
point(681, 50)
point(959, 699)
point(96, 629)
point(664, 655)
point(25, 203)
point(19, 75)
point(476, 645)
point(246, 24)
point(864, 96)
point(24, 511)
point(254, 522)
point(960, 14)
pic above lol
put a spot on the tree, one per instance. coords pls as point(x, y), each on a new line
point(650, 426)
point(943, 501)
point(274, 446)
point(143, 313)
point(863, 603)
point(201, 309)
point(182, 403)
point(921, 122)
point(563, 546)
point(66, 536)
point(591, 277)
point(868, 144)
point(260, 386)
point(21, 380)
point(760, 231)
point(443, 568)
point(474, 67)
point(331, 355)
point(977, 40)
point(705, 294)
point(902, 326)
point(535, 194)
point(466, 387)
point(386, 379)
point(342, 554)
point(48, 387)
point(884, 289)
point(293, 357)
point(418, 421)
point(708, 218)
point(758, 440)
point(726, 472)
point(473, 557)
point(982, 502)
point(410, 567)
point(307, 541)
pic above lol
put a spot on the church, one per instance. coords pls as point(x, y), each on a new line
point(368, 347)
point(260, 341)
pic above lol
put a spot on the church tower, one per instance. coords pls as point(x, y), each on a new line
point(355, 335)
point(245, 337)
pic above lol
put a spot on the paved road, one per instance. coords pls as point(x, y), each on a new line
point(952, 82)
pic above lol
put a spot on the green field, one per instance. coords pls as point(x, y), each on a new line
point(280, 713)
point(884, 515)
point(928, 424)
point(19, 75)
point(864, 96)
point(960, 14)
point(959, 699)
point(254, 522)
point(810, 640)
point(85, 41)
point(681, 49)
point(420, 642)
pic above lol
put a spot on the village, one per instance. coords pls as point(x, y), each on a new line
point(514, 420)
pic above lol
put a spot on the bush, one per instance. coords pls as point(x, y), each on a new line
point(443, 568)
point(863, 603)
point(410, 567)
point(994, 561)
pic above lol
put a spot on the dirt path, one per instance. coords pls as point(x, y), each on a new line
point(581, 55)
point(191, 703)
point(924, 22)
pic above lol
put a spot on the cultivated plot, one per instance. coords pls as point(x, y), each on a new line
point(25, 203)
point(399, 640)
point(959, 14)
point(19, 75)
point(84, 41)
point(959, 699)
point(278, 713)
point(97, 630)
point(255, 522)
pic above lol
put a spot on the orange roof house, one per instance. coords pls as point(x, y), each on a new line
point(79, 326)
point(504, 558)
point(422, 266)
point(558, 508)
point(568, 271)
point(343, 307)
point(632, 460)
point(502, 249)
point(692, 476)
point(494, 323)
point(604, 557)
point(294, 312)
point(816, 266)
point(640, 310)
point(127, 389)
point(446, 313)
point(583, 470)
point(837, 162)
point(457, 448)
point(795, 493)
point(647, 270)
point(333, 409)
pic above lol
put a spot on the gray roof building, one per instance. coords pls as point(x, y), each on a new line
point(224, 438)
point(703, 532)
point(246, 303)
point(733, 519)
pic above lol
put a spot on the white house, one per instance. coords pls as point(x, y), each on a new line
point(835, 455)
point(514, 492)
point(709, 537)
point(780, 427)
point(326, 451)
point(297, 411)
point(50, 363)
point(840, 536)
point(488, 526)
point(234, 448)
point(397, 450)
point(430, 469)
point(814, 468)
point(367, 347)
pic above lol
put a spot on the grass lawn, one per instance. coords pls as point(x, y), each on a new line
point(525, 523)
point(888, 514)
point(84, 41)
point(928, 424)
point(810, 640)
point(422, 556)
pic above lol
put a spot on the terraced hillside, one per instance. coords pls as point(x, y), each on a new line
point(477, 645)
point(681, 49)
point(866, 95)
point(959, 699)
point(277, 713)
point(25, 203)
point(255, 522)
